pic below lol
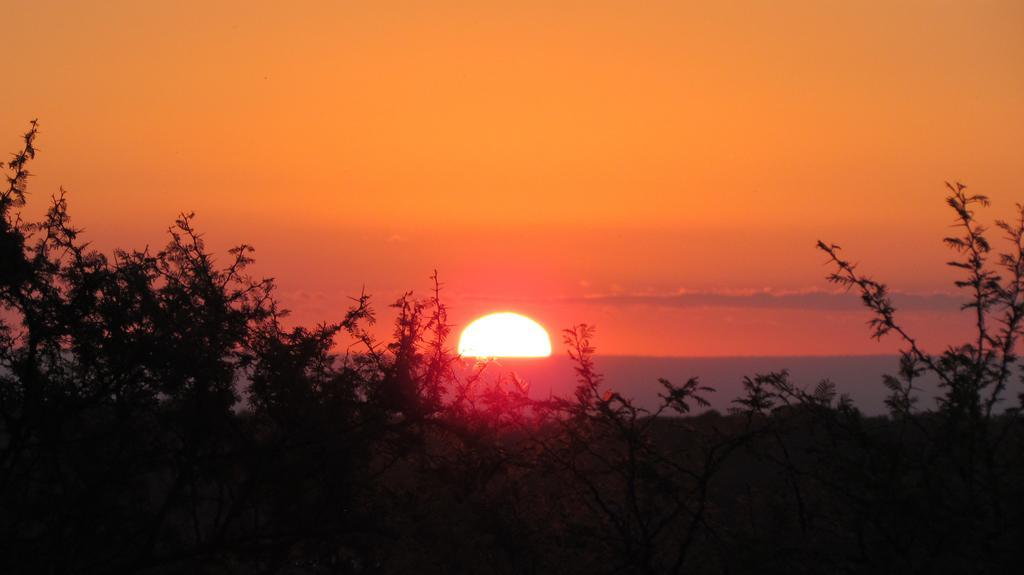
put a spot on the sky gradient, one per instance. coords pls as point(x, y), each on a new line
point(659, 169)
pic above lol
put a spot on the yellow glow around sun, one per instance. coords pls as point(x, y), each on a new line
point(504, 334)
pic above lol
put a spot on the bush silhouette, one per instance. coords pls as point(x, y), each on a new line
point(157, 416)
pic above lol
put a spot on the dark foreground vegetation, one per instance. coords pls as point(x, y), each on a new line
point(157, 417)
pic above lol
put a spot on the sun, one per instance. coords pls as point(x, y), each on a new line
point(504, 334)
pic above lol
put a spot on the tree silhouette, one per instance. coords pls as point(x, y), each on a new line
point(157, 415)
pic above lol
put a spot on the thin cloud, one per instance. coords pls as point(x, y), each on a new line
point(767, 299)
point(757, 299)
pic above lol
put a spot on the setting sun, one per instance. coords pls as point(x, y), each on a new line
point(504, 334)
point(546, 286)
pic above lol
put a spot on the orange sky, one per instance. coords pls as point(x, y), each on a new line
point(649, 167)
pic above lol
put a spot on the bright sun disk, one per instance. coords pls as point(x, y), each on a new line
point(504, 334)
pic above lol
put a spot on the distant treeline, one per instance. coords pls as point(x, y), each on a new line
point(158, 417)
